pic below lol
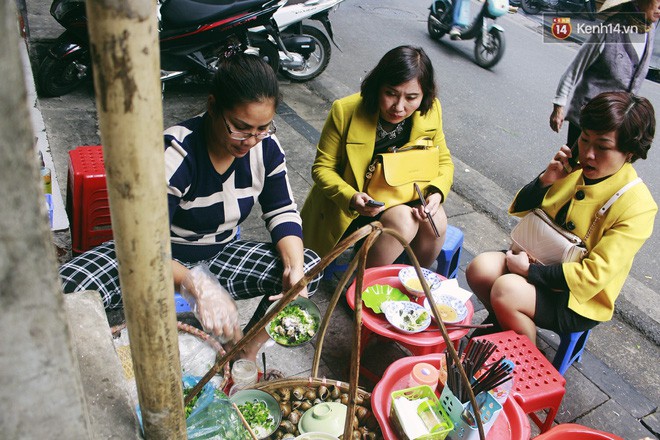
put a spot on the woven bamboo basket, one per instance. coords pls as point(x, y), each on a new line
point(360, 424)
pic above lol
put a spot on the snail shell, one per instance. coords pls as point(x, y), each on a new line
point(344, 399)
point(305, 405)
point(298, 393)
point(335, 392)
point(286, 409)
point(361, 412)
point(323, 392)
point(288, 435)
point(294, 417)
point(296, 404)
point(285, 394)
point(288, 426)
point(310, 395)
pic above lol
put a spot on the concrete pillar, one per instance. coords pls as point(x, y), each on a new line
point(39, 376)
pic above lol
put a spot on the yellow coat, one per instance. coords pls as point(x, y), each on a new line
point(596, 281)
point(344, 151)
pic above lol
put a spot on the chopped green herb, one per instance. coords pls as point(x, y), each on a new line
point(258, 417)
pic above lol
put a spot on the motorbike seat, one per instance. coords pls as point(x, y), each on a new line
point(184, 13)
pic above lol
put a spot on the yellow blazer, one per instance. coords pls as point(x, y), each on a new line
point(344, 151)
point(596, 281)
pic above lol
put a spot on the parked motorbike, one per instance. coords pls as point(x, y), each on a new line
point(307, 48)
point(193, 35)
point(489, 44)
point(587, 7)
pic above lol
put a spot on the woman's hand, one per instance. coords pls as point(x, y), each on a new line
point(211, 303)
point(557, 118)
point(433, 202)
point(290, 277)
point(558, 168)
point(518, 263)
point(359, 204)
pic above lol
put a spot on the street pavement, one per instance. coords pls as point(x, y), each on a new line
point(615, 388)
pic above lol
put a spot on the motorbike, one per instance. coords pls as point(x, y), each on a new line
point(489, 44)
point(587, 7)
point(193, 34)
point(307, 48)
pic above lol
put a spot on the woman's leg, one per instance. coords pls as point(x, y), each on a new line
point(482, 272)
point(514, 301)
point(426, 245)
point(254, 269)
point(97, 270)
point(387, 248)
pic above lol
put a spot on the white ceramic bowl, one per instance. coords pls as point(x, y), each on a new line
point(448, 302)
point(406, 316)
point(412, 283)
point(316, 436)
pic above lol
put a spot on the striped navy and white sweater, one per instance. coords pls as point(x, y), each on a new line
point(206, 207)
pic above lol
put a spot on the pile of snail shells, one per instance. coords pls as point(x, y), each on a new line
point(295, 401)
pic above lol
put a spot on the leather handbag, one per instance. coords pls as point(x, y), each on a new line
point(391, 176)
point(548, 243)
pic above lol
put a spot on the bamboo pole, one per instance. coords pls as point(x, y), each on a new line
point(126, 65)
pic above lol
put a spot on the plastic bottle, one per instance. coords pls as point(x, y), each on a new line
point(423, 374)
point(244, 374)
point(45, 175)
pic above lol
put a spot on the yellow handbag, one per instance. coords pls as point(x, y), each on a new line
point(390, 178)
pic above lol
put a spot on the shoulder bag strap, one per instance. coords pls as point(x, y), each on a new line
point(601, 212)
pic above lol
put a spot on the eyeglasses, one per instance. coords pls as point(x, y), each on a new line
point(242, 136)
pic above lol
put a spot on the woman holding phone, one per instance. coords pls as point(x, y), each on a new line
point(397, 104)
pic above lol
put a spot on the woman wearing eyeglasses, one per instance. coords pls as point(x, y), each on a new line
point(218, 166)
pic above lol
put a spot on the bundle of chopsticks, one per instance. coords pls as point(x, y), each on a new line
point(473, 359)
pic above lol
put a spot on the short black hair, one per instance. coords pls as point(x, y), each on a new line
point(400, 65)
point(242, 78)
point(631, 116)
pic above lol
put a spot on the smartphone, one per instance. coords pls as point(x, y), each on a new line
point(574, 159)
point(375, 203)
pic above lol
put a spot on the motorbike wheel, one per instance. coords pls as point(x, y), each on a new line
point(531, 7)
point(317, 61)
point(488, 51)
point(433, 30)
point(57, 77)
point(269, 53)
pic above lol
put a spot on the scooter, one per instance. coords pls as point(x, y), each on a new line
point(193, 35)
point(489, 44)
point(587, 7)
point(307, 49)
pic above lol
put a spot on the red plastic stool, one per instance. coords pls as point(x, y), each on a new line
point(87, 199)
point(576, 432)
point(537, 385)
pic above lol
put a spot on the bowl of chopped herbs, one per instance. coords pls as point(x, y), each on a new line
point(296, 324)
point(260, 410)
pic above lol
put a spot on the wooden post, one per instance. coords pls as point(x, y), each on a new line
point(126, 65)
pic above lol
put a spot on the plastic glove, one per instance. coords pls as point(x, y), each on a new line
point(212, 305)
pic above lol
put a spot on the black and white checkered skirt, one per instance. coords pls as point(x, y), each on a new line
point(247, 269)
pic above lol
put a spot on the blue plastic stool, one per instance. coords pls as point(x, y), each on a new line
point(570, 349)
point(450, 255)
